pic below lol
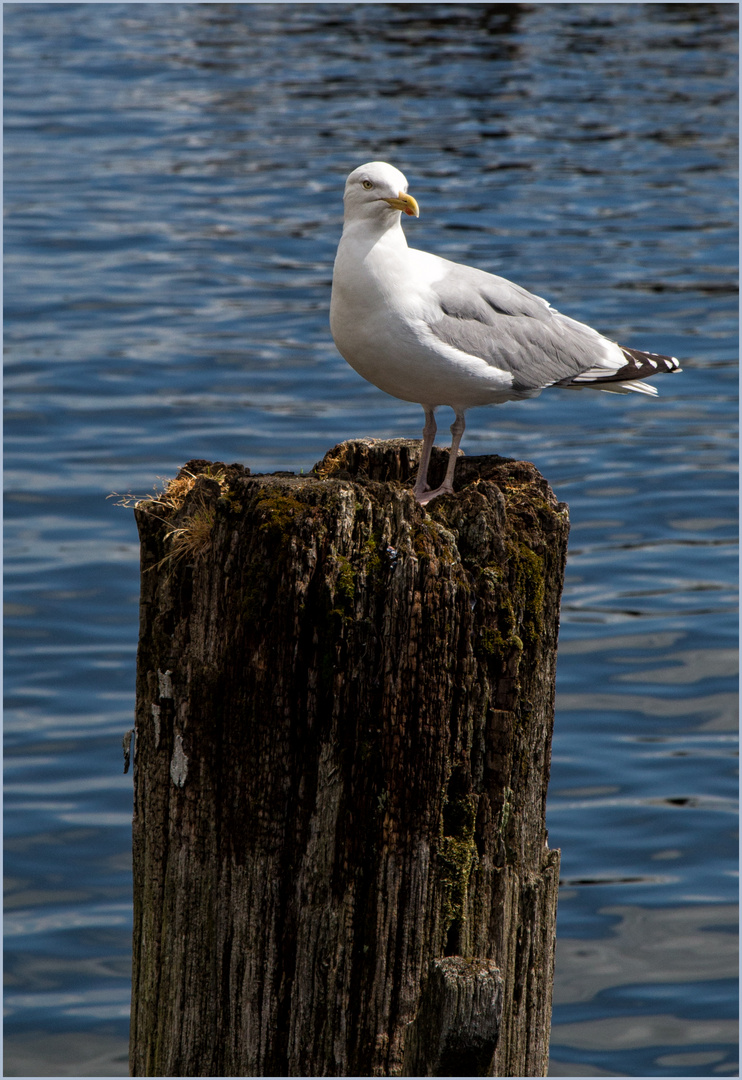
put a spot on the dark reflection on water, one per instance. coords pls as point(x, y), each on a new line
point(172, 186)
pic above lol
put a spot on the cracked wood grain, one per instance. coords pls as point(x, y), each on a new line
point(343, 737)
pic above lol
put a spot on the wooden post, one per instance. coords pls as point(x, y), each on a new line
point(343, 736)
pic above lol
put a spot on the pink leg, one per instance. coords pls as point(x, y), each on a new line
point(421, 484)
point(446, 488)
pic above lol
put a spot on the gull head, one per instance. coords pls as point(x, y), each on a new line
point(377, 190)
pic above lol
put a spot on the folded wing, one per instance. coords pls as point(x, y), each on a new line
point(489, 317)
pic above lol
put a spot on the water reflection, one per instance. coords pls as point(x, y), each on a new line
point(633, 971)
point(642, 948)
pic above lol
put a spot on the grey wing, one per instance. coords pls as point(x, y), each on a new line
point(500, 322)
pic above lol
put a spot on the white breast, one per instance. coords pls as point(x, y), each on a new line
point(380, 316)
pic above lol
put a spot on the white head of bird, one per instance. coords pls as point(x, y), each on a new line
point(376, 190)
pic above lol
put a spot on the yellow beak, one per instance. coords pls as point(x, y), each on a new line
point(406, 204)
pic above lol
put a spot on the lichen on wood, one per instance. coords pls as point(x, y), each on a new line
point(342, 778)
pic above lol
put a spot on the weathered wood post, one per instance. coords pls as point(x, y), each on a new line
point(343, 734)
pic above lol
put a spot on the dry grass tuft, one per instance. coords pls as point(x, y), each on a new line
point(174, 492)
point(192, 538)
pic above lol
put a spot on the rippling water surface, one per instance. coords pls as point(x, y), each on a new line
point(173, 182)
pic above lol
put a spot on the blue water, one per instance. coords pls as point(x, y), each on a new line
point(173, 182)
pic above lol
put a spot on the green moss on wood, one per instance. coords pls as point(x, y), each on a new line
point(457, 852)
point(279, 511)
point(506, 811)
point(491, 642)
point(346, 581)
point(530, 579)
point(372, 555)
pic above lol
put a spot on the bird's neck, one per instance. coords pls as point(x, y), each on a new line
point(366, 233)
point(371, 261)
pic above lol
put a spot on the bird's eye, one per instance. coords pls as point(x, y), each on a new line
point(367, 184)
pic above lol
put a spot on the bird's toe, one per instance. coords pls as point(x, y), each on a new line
point(427, 496)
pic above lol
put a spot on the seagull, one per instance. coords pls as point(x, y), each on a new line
point(432, 331)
